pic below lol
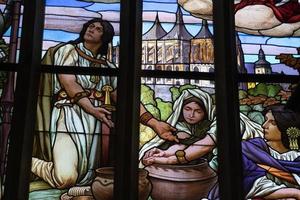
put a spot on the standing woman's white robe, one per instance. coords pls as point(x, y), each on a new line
point(268, 184)
point(83, 128)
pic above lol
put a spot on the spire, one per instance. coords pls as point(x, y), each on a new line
point(204, 31)
point(178, 31)
point(156, 21)
point(179, 18)
point(261, 54)
point(262, 58)
point(156, 31)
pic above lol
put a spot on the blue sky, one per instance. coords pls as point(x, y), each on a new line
point(71, 3)
point(147, 6)
point(166, 6)
point(158, 5)
point(77, 3)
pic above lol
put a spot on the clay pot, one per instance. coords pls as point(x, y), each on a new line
point(144, 185)
point(65, 196)
point(176, 182)
point(102, 186)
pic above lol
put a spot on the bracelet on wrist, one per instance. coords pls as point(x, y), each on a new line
point(145, 118)
point(180, 155)
point(79, 95)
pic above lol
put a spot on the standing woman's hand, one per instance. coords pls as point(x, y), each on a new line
point(103, 115)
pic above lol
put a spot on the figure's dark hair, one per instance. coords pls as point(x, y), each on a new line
point(285, 118)
point(108, 34)
point(197, 101)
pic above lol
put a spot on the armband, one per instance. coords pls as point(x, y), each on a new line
point(180, 155)
point(79, 95)
point(145, 117)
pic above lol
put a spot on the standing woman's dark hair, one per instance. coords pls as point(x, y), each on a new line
point(108, 34)
point(286, 120)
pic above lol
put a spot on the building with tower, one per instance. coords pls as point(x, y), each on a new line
point(173, 49)
point(262, 66)
point(178, 50)
point(202, 54)
point(149, 47)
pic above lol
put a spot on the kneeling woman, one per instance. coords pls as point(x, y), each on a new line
point(194, 118)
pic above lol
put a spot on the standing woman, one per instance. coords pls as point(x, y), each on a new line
point(272, 164)
point(76, 116)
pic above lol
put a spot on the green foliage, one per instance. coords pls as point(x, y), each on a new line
point(273, 89)
point(160, 109)
point(278, 98)
point(175, 93)
point(270, 90)
point(257, 117)
point(187, 86)
point(153, 110)
point(260, 89)
point(245, 109)
point(147, 95)
point(258, 107)
point(165, 108)
point(242, 94)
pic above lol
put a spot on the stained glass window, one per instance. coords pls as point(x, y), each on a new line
point(174, 40)
point(74, 136)
point(10, 30)
point(178, 65)
point(190, 109)
point(76, 111)
point(68, 24)
point(270, 38)
point(271, 151)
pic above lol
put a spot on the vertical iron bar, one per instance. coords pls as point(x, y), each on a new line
point(13, 42)
point(22, 130)
point(126, 179)
point(227, 104)
point(7, 97)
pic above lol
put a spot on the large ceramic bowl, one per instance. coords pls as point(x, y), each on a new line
point(181, 182)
